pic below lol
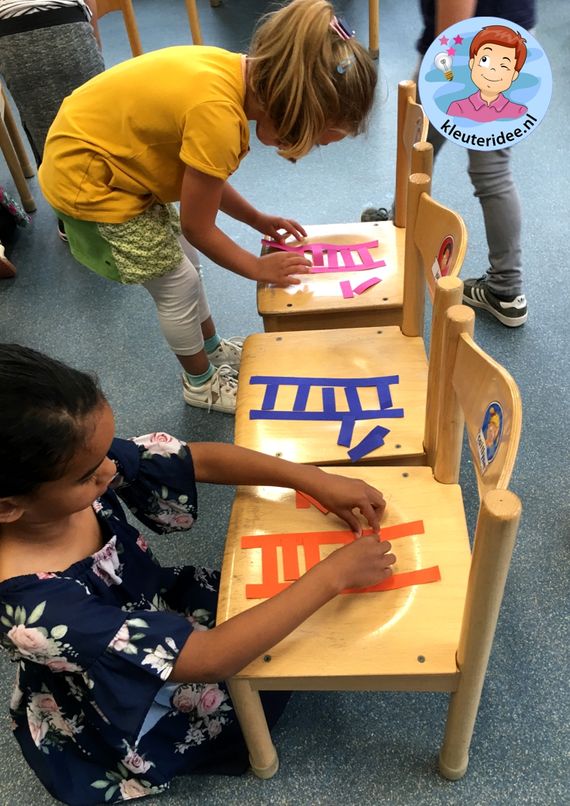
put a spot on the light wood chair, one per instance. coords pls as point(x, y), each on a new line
point(427, 637)
point(318, 302)
point(297, 430)
point(127, 10)
point(15, 153)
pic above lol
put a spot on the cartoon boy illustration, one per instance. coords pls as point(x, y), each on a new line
point(496, 56)
point(492, 432)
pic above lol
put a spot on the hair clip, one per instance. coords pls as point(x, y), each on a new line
point(340, 26)
point(343, 65)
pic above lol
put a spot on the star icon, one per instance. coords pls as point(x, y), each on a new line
point(443, 40)
point(451, 51)
point(458, 40)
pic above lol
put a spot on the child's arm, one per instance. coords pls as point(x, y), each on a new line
point(234, 205)
point(201, 198)
point(221, 463)
point(213, 655)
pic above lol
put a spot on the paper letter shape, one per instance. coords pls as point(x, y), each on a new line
point(311, 543)
point(325, 256)
point(348, 418)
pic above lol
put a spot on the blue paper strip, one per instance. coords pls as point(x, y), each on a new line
point(257, 414)
point(329, 403)
point(285, 380)
point(345, 433)
point(270, 396)
point(373, 440)
point(301, 398)
point(353, 400)
point(384, 396)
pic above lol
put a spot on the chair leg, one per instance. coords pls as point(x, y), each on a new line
point(7, 148)
point(194, 21)
point(494, 541)
point(27, 168)
point(262, 754)
point(132, 28)
point(373, 28)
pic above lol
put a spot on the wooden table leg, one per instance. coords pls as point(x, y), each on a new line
point(262, 754)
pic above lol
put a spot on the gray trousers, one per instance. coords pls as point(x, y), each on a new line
point(44, 65)
point(492, 179)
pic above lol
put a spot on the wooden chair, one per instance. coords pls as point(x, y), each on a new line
point(298, 430)
point(15, 153)
point(427, 637)
point(318, 302)
point(127, 10)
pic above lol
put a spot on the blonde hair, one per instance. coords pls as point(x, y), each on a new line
point(307, 78)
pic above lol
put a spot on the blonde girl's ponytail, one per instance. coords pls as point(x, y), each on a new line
point(307, 78)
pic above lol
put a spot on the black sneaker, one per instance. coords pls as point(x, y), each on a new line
point(375, 214)
point(510, 312)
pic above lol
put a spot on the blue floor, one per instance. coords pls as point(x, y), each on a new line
point(351, 748)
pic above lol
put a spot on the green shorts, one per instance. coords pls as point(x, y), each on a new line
point(144, 247)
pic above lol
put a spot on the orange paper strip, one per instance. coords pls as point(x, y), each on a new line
point(301, 501)
point(311, 543)
point(404, 580)
point(310, 500)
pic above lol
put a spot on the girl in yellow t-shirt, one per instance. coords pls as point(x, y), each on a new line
point(173, 126)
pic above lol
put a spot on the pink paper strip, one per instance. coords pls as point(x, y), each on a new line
point(325, 255)
point(346, 289)
point(360, 289)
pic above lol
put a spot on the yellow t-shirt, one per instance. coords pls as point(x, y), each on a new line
point(122, 141)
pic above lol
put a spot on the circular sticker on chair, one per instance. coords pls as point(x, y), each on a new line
point(442, 264)
point(485, 83)
point(489, 437)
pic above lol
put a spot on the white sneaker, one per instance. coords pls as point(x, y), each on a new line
point(227, 352)
point(219, 393)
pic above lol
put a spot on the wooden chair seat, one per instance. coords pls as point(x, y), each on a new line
point(318, 302)
point(353, 353)
point(362, 641)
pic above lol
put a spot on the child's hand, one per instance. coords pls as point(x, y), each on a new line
point(273, 226)
point(342, 495)
point(364, 562)
point(279, 267)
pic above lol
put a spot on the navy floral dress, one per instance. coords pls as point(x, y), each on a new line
point(95, 644)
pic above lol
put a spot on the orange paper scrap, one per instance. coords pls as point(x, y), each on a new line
point(311, 543)
point(304, 501)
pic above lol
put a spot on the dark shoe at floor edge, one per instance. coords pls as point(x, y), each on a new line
point(510, 312)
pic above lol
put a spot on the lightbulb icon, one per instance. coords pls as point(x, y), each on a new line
point(443, 62)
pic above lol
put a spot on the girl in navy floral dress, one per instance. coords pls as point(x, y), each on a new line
point(119, 661)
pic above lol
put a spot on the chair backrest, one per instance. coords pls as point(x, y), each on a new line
point(436, 242)
point(127, 10)
point(477, 393)
point(412, 128)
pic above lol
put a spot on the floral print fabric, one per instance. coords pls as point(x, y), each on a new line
point(94, 645)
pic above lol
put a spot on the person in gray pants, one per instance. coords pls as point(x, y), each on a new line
point(499, 291)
